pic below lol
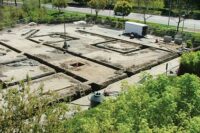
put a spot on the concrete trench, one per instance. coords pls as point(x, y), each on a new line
point(118, 51)
point(56, 68)
point(5, 85)
point(122, 40)
point(12, 48)
point(128, 73)
point(14, 61)
point(94, 86)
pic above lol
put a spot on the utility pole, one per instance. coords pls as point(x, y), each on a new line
point(170, 8)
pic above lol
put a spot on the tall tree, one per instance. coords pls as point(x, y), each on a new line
point(183, 8)
point(60, 4)
point(15, 2)
point(148, 4)
point(123, 7)
point(110, 4)
point(97, 5)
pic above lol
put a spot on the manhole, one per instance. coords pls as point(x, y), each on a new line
point(77, 64)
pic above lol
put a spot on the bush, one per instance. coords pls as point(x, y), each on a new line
point(190, 63)
point(164, 104)
point(196, 15)
point(24, 111)
point(189, 43)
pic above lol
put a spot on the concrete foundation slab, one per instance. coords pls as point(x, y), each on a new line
point(59, 83)
point(7, 55)
point(14, 72)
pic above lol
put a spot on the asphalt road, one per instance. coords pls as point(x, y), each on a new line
point(189, 24)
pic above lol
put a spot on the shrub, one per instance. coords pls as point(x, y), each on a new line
point(190, 63)
point(189, 43)
point(164, 104)
point(25, 111)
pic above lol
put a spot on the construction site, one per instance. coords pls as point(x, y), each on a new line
point(84, 59)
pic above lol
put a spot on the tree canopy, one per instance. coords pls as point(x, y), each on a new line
point(24, 111)
point(146, 5)
point(82, 2)
point(165, 104)
point(190, 63)
point(123, 7)
point(60, 3)
point(97, 5)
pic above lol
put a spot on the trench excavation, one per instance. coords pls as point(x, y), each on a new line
point(78, 55)
point(129, 73)
point(97, 87)
point(94, 86)
point(86, 32)
point(124, 51)
point(58, 69)
point(10, 47)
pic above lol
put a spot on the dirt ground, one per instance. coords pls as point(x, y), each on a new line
point(98, 55)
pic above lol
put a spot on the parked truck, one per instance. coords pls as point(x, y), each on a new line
point(136, 29)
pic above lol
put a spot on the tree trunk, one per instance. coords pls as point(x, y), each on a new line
point(96, 15)
point(144, 13)
point(178, 25)
point(1, 3)
point(96, 11)
point(138, 4)
point(39, 3)
point(15, 2)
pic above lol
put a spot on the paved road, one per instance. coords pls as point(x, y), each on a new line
point(190, 24)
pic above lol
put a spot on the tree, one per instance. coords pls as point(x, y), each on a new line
point(60, 4)
point(183, 8)
point(147, 4)
point(25, 111)
point(110, 4)
point(97, 5)
point(123, 7)
point(15, 2)
point(179, 6)
point(1, 3)
point(190, 63)
point(39, 3)
point(82, 2)
point(161, 104)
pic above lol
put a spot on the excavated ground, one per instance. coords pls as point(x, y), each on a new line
point(94, 58)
